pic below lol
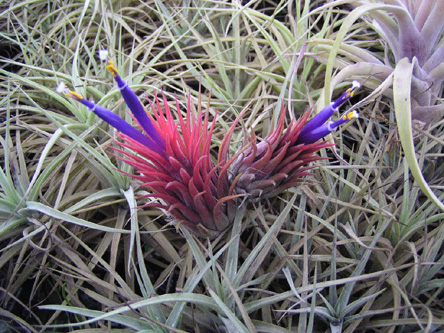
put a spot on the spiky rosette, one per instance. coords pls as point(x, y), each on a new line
point(278, 162)
point(195, 191)
point(265, 169)
point(172, 158)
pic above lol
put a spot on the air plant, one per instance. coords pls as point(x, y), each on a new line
point(413, 30)
point(280, 161)
point(173, 161)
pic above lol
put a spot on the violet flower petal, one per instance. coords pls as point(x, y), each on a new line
point(318, 120)
point(121, 125)
point(133, 103)
point(326, 113)
point(326, 129)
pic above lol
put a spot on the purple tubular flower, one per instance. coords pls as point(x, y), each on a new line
point(325, 114)
point(114, 120)
point(325, 129)
point(135, 106)
point(318, 124)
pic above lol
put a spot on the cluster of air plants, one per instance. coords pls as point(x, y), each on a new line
point(287, 240)
point(173, 159)
point(410, 30)
point(410, 68)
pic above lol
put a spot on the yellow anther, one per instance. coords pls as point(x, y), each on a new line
point(349, 93)
point(352, 115)
point(75, 95)
point(110, 67)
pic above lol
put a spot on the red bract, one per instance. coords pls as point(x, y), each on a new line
point(195, 191)
point(265, 169)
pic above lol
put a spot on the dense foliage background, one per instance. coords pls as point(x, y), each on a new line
point(357, 247)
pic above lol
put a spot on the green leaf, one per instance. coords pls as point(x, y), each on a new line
point(36, 206)
point(200, 300)
point(401, 96)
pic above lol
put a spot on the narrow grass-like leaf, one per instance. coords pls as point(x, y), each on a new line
point(237, 324)
point(135, 242)
point(7, 314)
point(232, 257)
point(101, 195)
point(126, 321)
point(402, 101)
point(255, 258)
point(41, 208)
point(196, 299)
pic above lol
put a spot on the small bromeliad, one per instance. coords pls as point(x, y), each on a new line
point(172, 156)
point(265, 169)
point(173, 159)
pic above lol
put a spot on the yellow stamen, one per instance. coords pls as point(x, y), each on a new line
point(351, 115)
point(110, 67)
point(353, 92)
point(350, 92)
point(75, 95)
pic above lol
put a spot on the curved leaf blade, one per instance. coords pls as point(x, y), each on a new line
point(401, 97)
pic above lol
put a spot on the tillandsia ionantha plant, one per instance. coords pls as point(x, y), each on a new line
point(413, 30)
point(417, 34)
point(412, 65)
point(279, 161)
point(173, 161)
